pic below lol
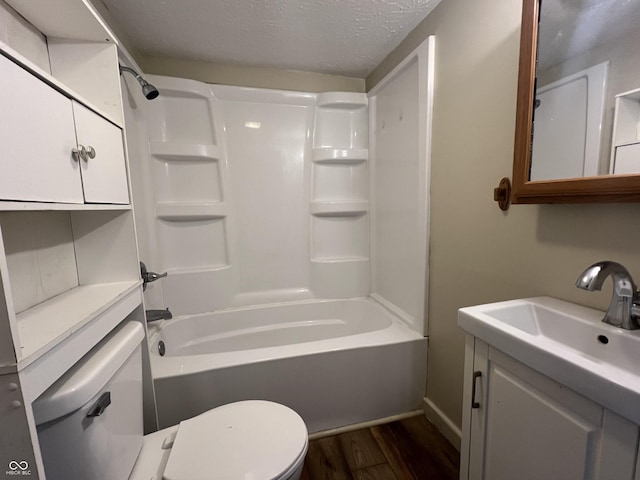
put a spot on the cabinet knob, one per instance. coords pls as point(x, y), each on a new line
point(84, 153)
point(76, 154)
point(80, 153)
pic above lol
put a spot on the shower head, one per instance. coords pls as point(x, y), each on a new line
point(148, 90)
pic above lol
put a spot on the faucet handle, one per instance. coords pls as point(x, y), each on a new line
point(153, 276)
point(148, 277)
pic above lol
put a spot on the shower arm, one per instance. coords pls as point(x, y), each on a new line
point(134, 73)
point(148, 90)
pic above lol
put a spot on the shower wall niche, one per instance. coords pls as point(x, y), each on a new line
point(188, 179)
point(339, 201)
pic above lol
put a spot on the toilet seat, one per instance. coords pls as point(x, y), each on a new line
point(251, 439)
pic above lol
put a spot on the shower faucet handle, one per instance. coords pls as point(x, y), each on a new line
point(153, 276)
point(148, 277)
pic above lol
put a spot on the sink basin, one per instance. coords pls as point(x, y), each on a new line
point(566, 342)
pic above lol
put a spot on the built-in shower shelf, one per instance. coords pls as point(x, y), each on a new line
point(200, 269)
point(339, 260)
point(339, 209)
point(342, 100)
point(340, 155)
point(185, 151)
point(184, 212)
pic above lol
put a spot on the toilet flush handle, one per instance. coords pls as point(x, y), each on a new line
point(101, 405)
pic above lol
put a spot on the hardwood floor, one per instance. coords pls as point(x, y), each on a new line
point(409, 449)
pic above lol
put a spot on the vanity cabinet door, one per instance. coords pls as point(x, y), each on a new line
point(36, 138)
point(527, 426)
point(104, 177)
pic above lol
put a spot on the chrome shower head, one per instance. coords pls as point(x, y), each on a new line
point(148, 90)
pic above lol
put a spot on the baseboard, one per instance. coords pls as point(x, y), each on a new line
point(442, 423)
point(358, 426)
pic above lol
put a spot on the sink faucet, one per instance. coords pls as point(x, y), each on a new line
point(624, 309)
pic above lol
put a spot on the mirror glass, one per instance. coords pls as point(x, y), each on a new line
point(587, 99)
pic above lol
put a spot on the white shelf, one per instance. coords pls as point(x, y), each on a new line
point(183, 212)
point(46, 325)
point(185, 151)
point(340, 155)
point(205, 269)
point(342, 100)
point(339, 209)
point(40, 206)
point(339, 260)
point(64, 19)
point(28, 65)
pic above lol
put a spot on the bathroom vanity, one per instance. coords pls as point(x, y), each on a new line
point(69, 269)
point(550, 392)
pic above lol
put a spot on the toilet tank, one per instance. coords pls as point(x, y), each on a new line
point(90, 421)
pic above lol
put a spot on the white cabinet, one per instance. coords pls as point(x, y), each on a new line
point(518, 423)
point(37, 134)
point(104, 177)
point(39, 129)
point(69, 269)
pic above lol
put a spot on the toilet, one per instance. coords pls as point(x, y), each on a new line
point(90, 427)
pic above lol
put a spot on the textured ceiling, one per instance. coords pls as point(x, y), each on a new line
point(346, 37)
point(570, 27)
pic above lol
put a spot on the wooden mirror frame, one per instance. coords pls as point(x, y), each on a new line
point(600, 189)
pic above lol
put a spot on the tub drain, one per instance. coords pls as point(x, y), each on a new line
point(161, 348)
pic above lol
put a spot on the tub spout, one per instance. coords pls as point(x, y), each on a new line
point(155, 315)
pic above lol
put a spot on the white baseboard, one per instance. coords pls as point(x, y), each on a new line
point(442, 423)
point(358, 426)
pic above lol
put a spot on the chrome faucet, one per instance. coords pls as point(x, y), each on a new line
point(148, 277)
point(624, 309)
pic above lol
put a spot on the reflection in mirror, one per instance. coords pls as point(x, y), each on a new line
point(587, 104)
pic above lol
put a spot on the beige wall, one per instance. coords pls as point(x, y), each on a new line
point(250, 76)
point(478, 253)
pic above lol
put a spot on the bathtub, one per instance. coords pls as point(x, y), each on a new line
point(336, 362)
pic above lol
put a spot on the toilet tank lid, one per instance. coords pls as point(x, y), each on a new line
point(92, 372)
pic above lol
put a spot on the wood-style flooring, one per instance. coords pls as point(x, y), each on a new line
point(409, 449)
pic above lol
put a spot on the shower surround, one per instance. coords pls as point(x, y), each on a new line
point(275, 215)
point(260, 196)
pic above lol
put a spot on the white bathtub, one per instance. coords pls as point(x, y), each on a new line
point(336, 362)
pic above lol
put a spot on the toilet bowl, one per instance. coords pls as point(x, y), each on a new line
point(90, 427)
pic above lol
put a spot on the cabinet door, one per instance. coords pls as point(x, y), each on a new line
point(36, 136)
point(528, 426)
point(104, 177)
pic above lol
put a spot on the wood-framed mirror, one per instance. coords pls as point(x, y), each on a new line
point(577, 134)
